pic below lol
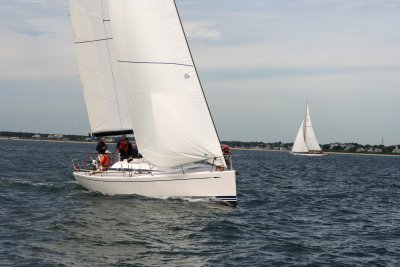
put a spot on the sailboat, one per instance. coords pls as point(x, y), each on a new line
point(138, 75)
point(306, 142)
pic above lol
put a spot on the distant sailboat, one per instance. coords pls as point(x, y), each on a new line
point(306, 142)
point(138, 75)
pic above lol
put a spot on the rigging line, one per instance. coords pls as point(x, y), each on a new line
point(198, 78)
point(305, 125)
point(92, 41)
point(155, 63)
point(111, 67)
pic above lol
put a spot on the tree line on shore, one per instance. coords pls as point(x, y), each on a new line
point(43, 136)
point(332, 147)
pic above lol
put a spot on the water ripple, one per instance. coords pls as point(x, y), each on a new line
point(340, 210)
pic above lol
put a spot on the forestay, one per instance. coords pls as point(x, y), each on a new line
point(170, 116)
point(105, 102)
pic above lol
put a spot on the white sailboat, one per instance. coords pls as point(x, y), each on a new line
point(135, 62)
point(306, 142)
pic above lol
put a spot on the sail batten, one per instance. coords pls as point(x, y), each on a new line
point(92, 41)
point(155, 63)
point(168, 109)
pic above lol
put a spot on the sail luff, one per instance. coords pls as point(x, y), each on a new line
point(169, 113)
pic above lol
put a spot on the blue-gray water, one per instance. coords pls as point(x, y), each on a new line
point(340, 210)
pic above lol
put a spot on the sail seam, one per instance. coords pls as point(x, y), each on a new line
point(155, 63)
point(92, 41)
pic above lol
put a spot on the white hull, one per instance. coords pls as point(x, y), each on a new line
point(309, 154)
point(205, 184)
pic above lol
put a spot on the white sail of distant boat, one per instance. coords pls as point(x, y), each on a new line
point(306, 142)
point(152, 66)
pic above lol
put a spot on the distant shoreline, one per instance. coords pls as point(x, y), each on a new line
point(364, 154)
point(339, 153)
point(41, 140)
point(233, 148)
point(259, 149)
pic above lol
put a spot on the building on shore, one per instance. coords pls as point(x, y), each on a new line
point(37, 137)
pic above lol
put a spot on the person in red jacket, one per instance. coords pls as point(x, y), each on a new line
point(125, 149)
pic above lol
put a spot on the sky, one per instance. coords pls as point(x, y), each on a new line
point(259, 61)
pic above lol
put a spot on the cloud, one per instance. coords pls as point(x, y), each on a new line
point(38, 42)
point(258, 60)
point(321, 54)
point(201, 30)
point(299, 38)
point(345, 107)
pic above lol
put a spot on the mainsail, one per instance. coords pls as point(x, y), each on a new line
point(106, 105)
point(310, 138)
point(169, 113)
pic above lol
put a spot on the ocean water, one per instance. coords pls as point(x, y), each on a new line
point(339, 210)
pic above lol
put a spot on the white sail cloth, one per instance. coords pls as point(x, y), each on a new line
point(106, 104)
point(169, 113)
point(310, 137)
point(299, 145)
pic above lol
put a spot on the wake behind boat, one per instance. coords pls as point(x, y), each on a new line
point(138, 75)
point(306, 143)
